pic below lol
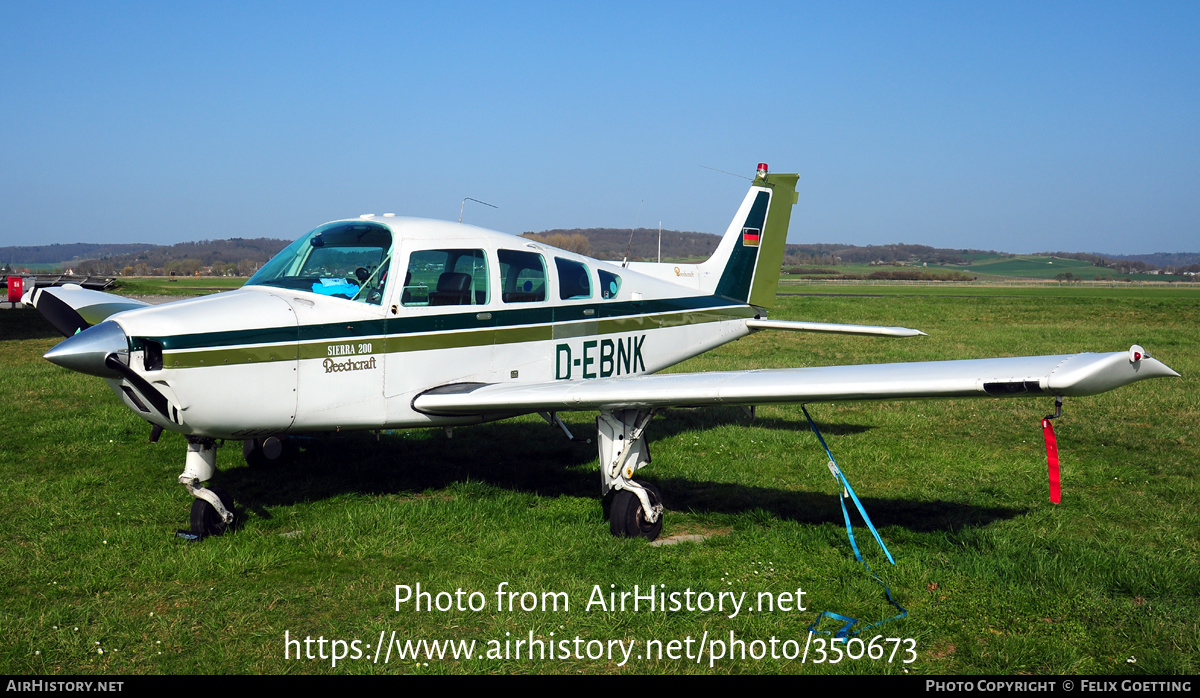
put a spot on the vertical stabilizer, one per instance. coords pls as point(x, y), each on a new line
point(746, 265)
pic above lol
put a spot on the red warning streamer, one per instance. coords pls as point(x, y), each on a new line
point(1052, 461)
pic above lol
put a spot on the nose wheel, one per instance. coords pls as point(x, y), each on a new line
point(206, 520)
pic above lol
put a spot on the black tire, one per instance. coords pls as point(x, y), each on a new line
point(606, 503)
point(205, 519)
point(626, 518)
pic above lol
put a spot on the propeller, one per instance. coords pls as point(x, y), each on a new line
point(87, 350)
point(70, 308)
point(63, 317)
point(96, 351)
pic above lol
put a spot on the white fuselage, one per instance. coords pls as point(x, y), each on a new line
point(267, 360)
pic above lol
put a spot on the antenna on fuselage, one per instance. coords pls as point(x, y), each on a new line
point(625, 262)
point(464, 205)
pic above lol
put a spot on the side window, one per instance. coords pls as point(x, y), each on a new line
point(446, 277)
point(610, 284)
point(574, 281)
point(522, 276)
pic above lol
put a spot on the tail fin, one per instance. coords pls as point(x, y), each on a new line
point(745, 266)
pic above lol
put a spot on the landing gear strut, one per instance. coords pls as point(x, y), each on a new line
point(212, 512)
point(636, 510)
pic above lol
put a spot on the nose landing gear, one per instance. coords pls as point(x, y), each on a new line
point(212, 510)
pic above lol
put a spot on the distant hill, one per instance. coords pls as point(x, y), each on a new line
point(611, 243)
point(1157, 259)
point(243, 256)
point(59, 254)
point(240, 256)
point(825, 253)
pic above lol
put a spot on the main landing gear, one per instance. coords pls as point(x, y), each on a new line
point(636, 510)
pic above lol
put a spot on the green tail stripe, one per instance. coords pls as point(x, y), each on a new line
point(739, 270)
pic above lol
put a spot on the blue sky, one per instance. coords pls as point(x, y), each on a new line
point(1010, 126)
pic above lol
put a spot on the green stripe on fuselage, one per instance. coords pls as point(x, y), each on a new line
point(224, 357)
point(207, 355)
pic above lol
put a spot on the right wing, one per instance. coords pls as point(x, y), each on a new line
point(1068, 374)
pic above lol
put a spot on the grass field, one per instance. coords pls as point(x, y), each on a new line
point(997, 268)
point(1043, 267)
point(176, 286)
point(995, 578)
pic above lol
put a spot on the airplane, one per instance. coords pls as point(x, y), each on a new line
point(386, 322)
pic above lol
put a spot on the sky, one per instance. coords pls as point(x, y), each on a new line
point(1012, 126)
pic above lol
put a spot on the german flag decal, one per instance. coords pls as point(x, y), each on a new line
point(750, 237)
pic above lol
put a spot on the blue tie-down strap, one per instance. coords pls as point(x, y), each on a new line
point(848, 491)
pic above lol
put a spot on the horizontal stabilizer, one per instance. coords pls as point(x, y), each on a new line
point(1069, 374)
point(833, 327)
point(71, 308)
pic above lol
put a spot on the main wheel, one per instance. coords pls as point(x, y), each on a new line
point(626, 518)
point(205, 519)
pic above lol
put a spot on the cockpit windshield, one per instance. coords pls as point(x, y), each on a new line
point(343, 260)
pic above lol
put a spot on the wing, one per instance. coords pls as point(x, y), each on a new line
point(71, 308)
point(1068, 374)
point(793, 326)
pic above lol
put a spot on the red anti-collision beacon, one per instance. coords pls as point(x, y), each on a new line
point(762, 169)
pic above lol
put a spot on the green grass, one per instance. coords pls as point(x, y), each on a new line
point(1045, 267)
point(1032, 289)
point(992, 268)
point(175, 286)
point(1036, 267)
point(996, 579)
